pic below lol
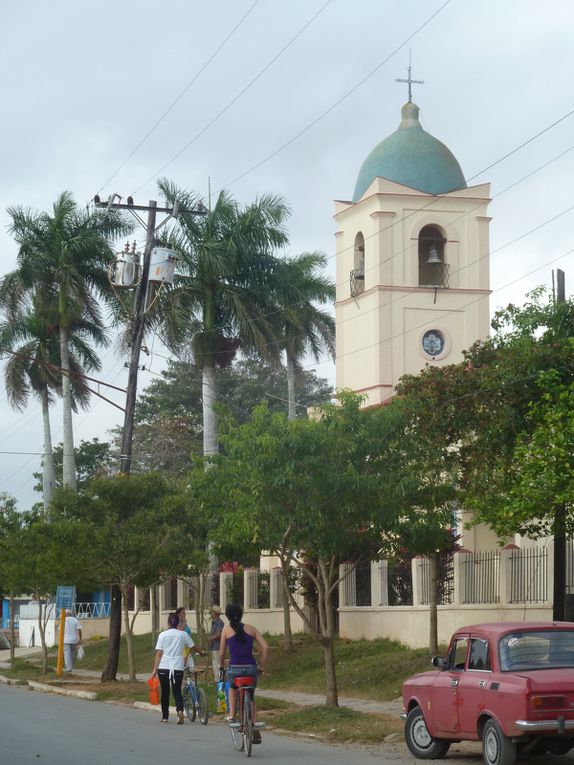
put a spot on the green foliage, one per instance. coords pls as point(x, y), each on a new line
point(93, 459)
point(168, 430)
point(484, 412)
point(134, 525)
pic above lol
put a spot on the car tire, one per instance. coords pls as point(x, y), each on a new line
point(419, 741)
point(497, 749)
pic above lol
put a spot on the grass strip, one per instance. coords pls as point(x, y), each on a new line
point(338, 724)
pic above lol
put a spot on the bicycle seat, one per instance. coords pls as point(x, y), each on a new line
point(244, 682)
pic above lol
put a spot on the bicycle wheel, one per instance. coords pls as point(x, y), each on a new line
point(237, 736)
point(188, 702)
point(248, 723)
point(202, 706)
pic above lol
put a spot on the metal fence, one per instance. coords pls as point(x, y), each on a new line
point(363, 583)
point(92, 610)
point(445, 580)
point(400, 583)
point(569, 567)
point(529, 575)
point(482, 577)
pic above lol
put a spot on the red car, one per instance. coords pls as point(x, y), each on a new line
point(509, 685)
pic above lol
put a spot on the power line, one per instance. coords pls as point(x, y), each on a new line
point(338, 101)
point(238, 96)
point(181, 94)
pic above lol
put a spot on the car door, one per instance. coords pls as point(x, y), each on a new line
point(473, 687)
point(444, 698)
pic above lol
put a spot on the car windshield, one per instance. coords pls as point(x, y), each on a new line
point(536, 649)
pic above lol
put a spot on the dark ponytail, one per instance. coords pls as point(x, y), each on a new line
point(234, 613)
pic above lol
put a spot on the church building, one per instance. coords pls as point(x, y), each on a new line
point(412, 262)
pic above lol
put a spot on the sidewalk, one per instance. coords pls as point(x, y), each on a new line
point(303, 699)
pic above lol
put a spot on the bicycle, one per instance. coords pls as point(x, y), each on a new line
point(194, 698)
point(242, 730)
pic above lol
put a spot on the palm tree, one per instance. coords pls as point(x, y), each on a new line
point(304, 327)
point(65, 254)
point(31, 340)
point(222, 300)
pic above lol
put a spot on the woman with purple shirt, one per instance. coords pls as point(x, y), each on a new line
point(240, 638)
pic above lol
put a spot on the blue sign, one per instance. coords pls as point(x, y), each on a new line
point(65, 598)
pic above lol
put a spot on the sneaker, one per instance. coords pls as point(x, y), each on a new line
point(180, 718)
point(256, 736)
point(231, 719)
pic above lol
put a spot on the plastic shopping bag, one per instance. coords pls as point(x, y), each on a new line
point(221, 697)
point(81, 652)
point(153, 683)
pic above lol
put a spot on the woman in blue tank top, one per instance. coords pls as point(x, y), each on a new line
point(239, 638)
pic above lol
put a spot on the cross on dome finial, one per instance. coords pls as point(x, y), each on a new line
point(410, 80)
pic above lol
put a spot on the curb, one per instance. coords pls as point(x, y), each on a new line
point(11, 680)
point(88, 695)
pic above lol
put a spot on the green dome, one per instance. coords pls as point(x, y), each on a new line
point(413, 158)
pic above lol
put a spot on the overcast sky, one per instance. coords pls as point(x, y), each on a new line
point(291, 104)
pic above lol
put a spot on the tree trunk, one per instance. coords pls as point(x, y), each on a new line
point(115, 631)
point(433, 611)
point(12, 629)
point(291, 380)
point(68, 456)
point(287, 633)
point(42, 631)
point(331, 693)
point(129, 643)
point(326, 577)
point(49, 473)
point(209, 397)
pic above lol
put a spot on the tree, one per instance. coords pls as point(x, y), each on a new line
point(542, 467)
point(64, 257)
point(222, 300)
point(12, 565)
point(136, 529)
point(489, 405)
point(311, 492)
point(30, 338)
point(168, 429)
point(94, 459)
point(303, 327)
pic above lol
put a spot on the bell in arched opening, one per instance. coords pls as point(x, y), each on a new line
point(433, 271)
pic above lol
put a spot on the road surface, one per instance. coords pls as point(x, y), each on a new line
point(45, 729)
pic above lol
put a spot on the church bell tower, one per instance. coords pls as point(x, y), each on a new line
point(412, 262)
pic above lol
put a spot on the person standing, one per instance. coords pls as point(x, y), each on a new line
point(169, 665)
point(72, 639)
point(215, 639)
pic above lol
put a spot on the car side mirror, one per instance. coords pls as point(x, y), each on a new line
point(439, 662)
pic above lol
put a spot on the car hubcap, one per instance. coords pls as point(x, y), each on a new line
point(491, 747)
point(420, 734)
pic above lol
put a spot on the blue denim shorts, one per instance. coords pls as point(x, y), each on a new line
point(241, 670)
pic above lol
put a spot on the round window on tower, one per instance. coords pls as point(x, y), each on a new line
point(434, 344)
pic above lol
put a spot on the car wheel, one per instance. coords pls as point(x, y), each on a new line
point(419, 740)
point(497, 749)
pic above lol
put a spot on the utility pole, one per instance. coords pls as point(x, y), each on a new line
point(139, 322)
point(559, 592)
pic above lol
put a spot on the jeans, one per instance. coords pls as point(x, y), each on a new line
point(70, 650)
point(175, 683)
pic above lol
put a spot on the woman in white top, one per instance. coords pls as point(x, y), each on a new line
point(169, 665)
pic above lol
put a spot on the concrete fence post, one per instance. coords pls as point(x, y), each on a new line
point(276, 588)
point(417, 565)
point(250, 588)
point(225, 587)
point(379, 583)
